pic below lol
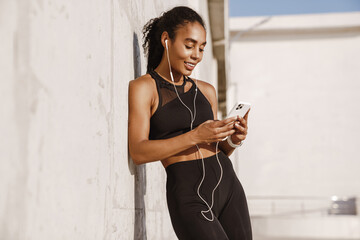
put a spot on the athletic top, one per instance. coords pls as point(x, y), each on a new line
point(171, 117)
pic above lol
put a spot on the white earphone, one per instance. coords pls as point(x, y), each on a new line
point(202, 158)
point(167, 52)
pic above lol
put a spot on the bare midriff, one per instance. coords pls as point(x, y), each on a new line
point(192, 153)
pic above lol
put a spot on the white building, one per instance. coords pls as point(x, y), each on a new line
point(302, 75)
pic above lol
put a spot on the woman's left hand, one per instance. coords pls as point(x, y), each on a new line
point(241, 128)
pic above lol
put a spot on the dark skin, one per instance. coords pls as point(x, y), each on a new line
point(185, 51)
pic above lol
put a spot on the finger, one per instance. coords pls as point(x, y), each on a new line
point(243, 122)
point(223, 135)
point(241, 131)
point(239, 137)
point(247, 114)
point(225, 128)
point(224, 122)
point(240, 128)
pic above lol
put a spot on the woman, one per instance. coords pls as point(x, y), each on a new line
point(172, 118)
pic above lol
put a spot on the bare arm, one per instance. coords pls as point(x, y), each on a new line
point(143, 150)
point(240, 135)
point(240, 125)
point(210, 93)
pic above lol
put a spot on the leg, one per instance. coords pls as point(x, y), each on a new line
point(188, 222)
point(184, 204)
point(234, 217)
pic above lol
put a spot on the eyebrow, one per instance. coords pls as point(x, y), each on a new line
point(194, 41)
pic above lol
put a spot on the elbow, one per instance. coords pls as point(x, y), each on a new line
point(137, 158)
point(134, 156)
point(137, 161)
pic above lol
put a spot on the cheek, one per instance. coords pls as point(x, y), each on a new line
point(201, 56)
point(182, 54)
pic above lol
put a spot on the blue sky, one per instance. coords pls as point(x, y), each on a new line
point(285, 7)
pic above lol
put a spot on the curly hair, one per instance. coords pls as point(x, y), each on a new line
point(169, 21)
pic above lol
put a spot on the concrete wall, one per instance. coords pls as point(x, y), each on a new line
point(65, 171)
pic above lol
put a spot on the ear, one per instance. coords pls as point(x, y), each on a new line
point(165, 36)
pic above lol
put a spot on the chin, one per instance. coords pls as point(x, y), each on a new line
point(187, 72)
point(184, 71)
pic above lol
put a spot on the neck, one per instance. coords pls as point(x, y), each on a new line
point(164, 71)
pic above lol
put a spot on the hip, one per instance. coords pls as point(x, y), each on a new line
point(188, 174)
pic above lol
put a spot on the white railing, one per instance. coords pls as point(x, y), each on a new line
point(262, 206)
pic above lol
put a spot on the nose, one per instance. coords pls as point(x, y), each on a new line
point(195, 54)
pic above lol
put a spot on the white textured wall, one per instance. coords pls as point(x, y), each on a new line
point(301, 73)
point(65, 172)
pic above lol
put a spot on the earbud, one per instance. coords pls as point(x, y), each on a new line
point(168, 58)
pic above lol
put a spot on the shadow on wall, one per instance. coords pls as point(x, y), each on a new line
point(139, 172)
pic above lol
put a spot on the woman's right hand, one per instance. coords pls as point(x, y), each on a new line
point(214, 130)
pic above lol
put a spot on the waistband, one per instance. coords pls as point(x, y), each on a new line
point(196, 162)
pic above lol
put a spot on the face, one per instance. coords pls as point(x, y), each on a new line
point(187, 49)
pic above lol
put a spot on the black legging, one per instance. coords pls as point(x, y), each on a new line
point(230, 208)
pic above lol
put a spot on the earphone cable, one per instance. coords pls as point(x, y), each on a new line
point(192, 116)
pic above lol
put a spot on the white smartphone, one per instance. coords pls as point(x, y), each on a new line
point(239, 109)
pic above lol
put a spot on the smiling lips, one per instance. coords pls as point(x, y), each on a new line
point(189, 66)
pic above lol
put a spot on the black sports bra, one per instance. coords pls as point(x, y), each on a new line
point(171, 117)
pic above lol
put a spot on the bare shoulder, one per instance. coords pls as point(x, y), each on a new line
point(144, 84)
point(143, 88)
point(207, 89)
point(142, 81)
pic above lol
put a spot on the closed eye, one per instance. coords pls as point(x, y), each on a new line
point(201, 49)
